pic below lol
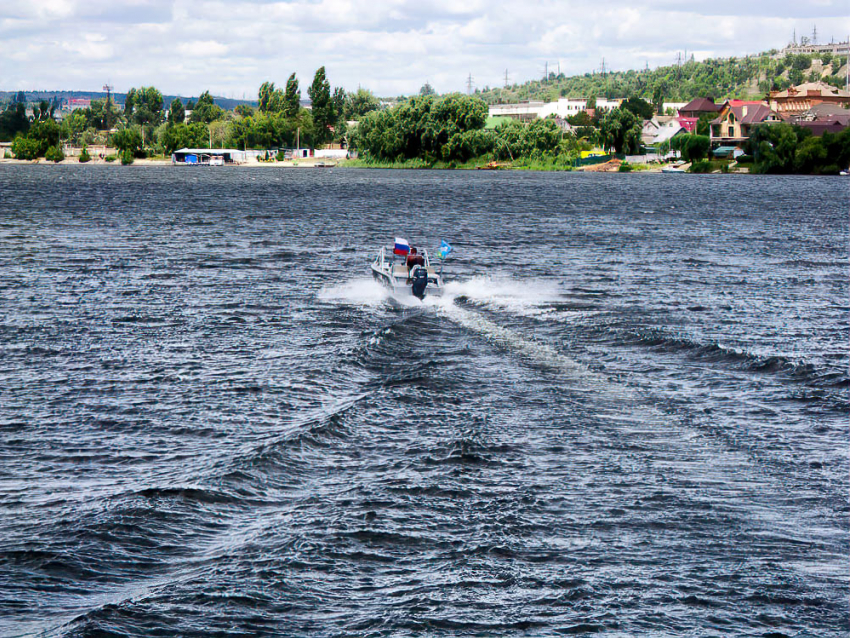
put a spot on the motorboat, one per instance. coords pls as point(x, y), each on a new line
point(389, 268)
point(673, 169)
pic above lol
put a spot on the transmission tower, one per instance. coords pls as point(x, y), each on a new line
point(469, 84)
point(814, 34)
point(108, 88)
point(506, 78)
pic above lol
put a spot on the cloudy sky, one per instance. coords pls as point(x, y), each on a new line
point(389, 46)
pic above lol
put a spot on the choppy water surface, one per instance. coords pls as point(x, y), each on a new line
point(629, 417)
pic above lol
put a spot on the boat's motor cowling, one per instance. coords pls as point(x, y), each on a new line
point(420, 281)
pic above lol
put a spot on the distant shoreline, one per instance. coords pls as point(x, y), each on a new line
point(343, 164)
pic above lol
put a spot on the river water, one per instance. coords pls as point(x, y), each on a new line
point(627, 417)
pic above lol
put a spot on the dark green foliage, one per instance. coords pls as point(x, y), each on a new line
point(426, 90)
point(42, 135)
point(620, 130)
point(206, 110)
point(268, 98)
point(54, 154)
point(359, 103)
point(339, 100)
point(195, 135)
point(110, 158)
point(25, 148)
point(292, 97)
point(126, 157)
point(128, 140)
point(324, 112)
point(704, 123)
point(421, 128)
point(515, 139)
point(243, 110)
point(101, 115)
point(625, 167)
point(692, 147)
point(177, 114)
point(44, 111)
point(13, 121)
point(641, 108)
point(782, 148)
point(84, 156)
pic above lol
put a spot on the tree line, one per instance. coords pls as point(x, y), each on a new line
point(144, 127)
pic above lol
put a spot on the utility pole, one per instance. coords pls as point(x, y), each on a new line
point(469, 84)
point(546, 71)
point(506, 78)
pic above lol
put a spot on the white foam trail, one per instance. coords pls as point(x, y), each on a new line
point(524, 297)
point(359, 292)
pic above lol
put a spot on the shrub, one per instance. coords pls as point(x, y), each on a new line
point(7, 154)
point(54, 154)
point(127, 157)
point(110, 158)
point(625, 167)
point(84, 156)
point(25, 148)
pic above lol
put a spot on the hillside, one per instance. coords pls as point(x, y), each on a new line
point(750, 77)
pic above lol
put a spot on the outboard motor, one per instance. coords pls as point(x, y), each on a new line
point(420, 280)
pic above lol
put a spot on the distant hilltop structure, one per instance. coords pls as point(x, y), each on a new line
point(809, 46)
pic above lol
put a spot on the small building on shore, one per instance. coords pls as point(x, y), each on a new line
point(205, 156)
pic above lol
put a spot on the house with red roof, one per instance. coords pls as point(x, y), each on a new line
point(735, 122)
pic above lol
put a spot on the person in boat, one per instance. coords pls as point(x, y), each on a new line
point(414, 259)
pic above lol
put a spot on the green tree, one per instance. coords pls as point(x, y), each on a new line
point(324, 115)
point(640, 108)
point(84, 155)
point(13, 121)
point(427, 89)
point(359, 103)
point(206, 110)
point(128, 140)
point(292, 97)
point(176, 114)
point(26, 148)
point(194, 135)
point(146, 107)
point(266, 96)
point(620, 130)
point(339, 99)
point(129, 104)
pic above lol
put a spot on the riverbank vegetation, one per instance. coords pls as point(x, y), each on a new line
point(144, 128)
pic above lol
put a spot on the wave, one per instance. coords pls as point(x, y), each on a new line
point(715, 352)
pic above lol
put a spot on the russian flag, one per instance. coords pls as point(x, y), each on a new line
point(401, 246)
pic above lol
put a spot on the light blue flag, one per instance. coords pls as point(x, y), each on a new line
point(445, 249)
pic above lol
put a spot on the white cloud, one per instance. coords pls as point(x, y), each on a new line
point(389, 46)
